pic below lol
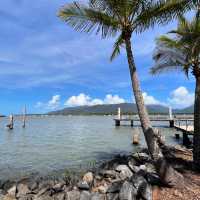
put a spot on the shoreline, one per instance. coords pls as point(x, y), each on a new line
point(122, 177)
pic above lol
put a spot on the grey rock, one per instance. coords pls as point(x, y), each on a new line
point(59, 196)
point(153, 179)
point(43, 191)
point(134, 168)
point(88, 177)
point(6, 185)
point(83, 185)
point(115, 187)
point(112, 196)
point(145, 191)
point(124, 172)
point(73, 195)
point(127, 192)
point(12, 191)
point(142, 187)
point(44, 197)
point(58, 187)
point(33, 185)
point(22, 190)
point(97, 196)
point(26, 197)
point(137, 180)
point(141, 157)
point(108, 173)
point(85, 195)
point(103, 189)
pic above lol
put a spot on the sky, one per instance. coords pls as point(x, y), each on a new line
point(46, 65)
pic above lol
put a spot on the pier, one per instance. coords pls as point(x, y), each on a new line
point(187, 130)
point(171, 122)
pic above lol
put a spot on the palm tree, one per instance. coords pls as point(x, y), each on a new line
point(182, 52)
point(121, 18)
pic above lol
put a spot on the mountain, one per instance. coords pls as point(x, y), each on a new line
point(126, 108)
point(188, 110)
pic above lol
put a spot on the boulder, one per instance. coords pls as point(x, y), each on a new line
point(97, 196)
point(44, 197)
point(108, 173)
point(6, 185)
point(26, 197)
point(143, 189)
point(58, 187)
point(153, 178)
point(127, 192)
point(85, 195)
point(59, 196)
point(88, 177)
point(102, 189)
point(142, 157)
point(124, 172)
point(33, 185)
point(112, 196)
point(8, 197)
point(137, 181)
point(83, 185)
point(22, 190)
point(115, 187)
point(12, 191)
point(73, 195)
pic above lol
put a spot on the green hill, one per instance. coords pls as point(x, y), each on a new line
point(126, 108)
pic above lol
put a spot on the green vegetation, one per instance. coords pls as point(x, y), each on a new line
point(182, 52)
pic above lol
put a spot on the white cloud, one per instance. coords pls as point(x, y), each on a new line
point(150, 100)
point(83, 100)
point(52, 104)
point(181, 97)
point(115, 99)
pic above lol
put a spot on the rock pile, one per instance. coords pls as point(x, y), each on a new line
point(123, 178)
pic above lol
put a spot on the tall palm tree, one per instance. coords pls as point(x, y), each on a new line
point(121, 18)
point(182, 52)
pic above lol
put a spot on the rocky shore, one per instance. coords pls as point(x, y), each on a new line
point(129, 177)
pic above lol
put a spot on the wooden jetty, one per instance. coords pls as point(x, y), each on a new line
point(187, 130)
point(154, 119)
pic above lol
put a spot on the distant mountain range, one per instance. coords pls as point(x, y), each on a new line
point(126, 108)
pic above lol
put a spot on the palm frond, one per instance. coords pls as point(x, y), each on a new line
point(86, 19)
point(161, 12)
point(116, 49)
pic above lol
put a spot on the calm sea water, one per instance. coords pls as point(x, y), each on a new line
point(51, 143)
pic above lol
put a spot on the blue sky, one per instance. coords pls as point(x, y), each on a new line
point(46, 65)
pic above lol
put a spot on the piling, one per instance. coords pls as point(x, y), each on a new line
point(11, 122)
point(136, 137)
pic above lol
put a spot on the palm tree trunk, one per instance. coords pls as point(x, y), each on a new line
point(143, 115)
point(167, 174)
point(196, 153)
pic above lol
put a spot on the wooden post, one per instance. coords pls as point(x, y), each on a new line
point(132, 123)
point(171, 123)
point(177, 136)
point(117, 122)
point(136, 137)
point(11, 122)
point(186, 141)
point(24, 117)
point(186, 125)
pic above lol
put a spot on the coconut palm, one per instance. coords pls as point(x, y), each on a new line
point(182, 52)
point(121, 18)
